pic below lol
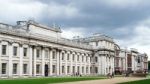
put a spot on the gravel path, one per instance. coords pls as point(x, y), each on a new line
point(107, 81)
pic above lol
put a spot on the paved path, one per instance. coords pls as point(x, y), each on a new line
point(107, 81)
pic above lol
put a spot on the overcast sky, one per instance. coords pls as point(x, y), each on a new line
point(127, 21)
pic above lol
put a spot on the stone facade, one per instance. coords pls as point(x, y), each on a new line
point(30, 49)
point(131, 61)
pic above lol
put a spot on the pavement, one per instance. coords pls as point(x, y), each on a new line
point(107, 81)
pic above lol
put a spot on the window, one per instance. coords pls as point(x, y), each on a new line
point(4, 68)
point(90, 69)
point(68, 57)
point(15, 68)
point(24, 68)
point(14, 51)
point(78, 58)
point(37, 68)
point(54, 55)
point(86, 59)
point(82, 69)
point(78, 69)
point(4, 49)
point(46, 53)
point(73, 67)
point(96, 70)
point(96, 59)
point(68, 69)
point(82, 58)
point(138, 59)
point(53, 68)
point(86, 69)
point(73, 57)
point(24, 52)
point(63, 71)
point(62, 56)
point(90, 59)
point(38, 53)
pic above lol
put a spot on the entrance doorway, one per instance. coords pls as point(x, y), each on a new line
point(46, 70)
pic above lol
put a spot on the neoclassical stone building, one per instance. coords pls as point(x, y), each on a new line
point(30, 49)
point(130, 61)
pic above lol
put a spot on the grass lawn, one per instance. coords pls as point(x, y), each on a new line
point(48, 80)
point(146, 81)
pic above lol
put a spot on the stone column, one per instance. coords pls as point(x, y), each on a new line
point(58, 58)
point(71, 63)
point(43, 63)
point(99, 64)
point(30, 54)
point(76, 54)
point(113, 65)
point(10, 60)
point(65, 63)
point(132, 59)
point(21, 60)
point(34, 62)
point(80, 61)
point(104, 65)
point(50, 59)
point(89, 64)
point(60, 62)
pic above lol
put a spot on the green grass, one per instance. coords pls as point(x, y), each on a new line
point(146, 81)
point(48, 80)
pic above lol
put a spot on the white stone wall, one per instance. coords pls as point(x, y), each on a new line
point(44, 31)
point(32, 60)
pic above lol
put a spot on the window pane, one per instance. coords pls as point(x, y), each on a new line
point(3, 68)
point(25, 52)
point(68, 57)
point(24, 68)
point(68, 69)
point(38, 53)
point(15, 51)
point(54, 55)
point(37, 68)
point(14, 68)
point(3, 49)
point(53, 69)
point(46, 53)
point(62, 56)
point(73, 57)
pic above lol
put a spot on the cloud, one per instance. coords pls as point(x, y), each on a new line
point(12, 11)
point(56, 10)
point(122, 4)
point(71, 32)
point(139, 39)
point(127, 21)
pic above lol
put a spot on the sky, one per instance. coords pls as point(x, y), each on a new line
point(127, 21)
